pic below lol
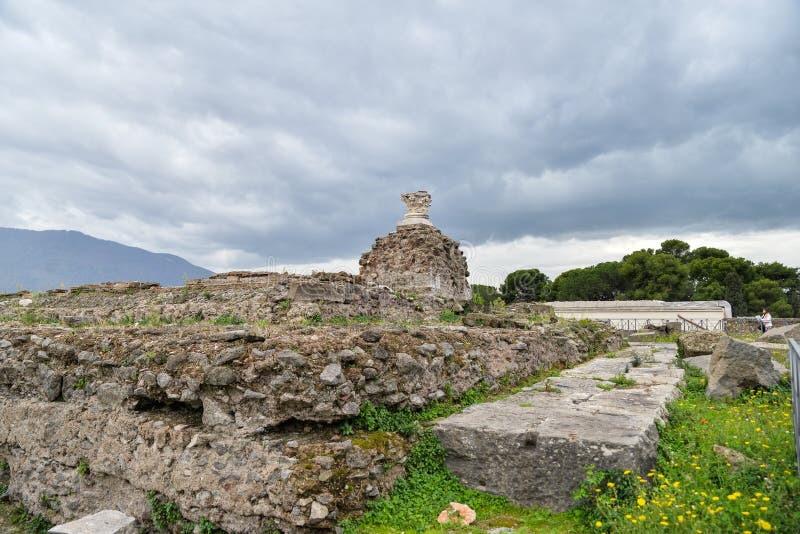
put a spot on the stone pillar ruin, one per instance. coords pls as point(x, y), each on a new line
point(418, 259)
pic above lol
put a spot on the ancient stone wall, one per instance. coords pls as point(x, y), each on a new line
point(237, 424)
point(749, 325)
point(265, 297)
point(420, 260)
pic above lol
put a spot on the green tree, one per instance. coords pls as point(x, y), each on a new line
point(484, 295)
point(707, 275)
point(712, 290)
point(674, 247)
point(599, 282)
point(734, 294)
point(787, 277)
point(529, 285)
point(701, 253)
point(766, 293)
point(658, 276)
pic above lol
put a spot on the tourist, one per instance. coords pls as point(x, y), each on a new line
point(765, 321)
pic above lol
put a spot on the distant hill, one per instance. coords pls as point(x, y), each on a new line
point(40, 260)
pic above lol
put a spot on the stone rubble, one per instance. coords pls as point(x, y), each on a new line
point(699, 342)
point(736, 366)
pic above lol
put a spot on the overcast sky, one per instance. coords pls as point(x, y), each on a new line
point(558, 134)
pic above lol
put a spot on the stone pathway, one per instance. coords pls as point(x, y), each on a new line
point(534, 447)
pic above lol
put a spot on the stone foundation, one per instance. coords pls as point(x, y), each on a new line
point(241, 424)
point(265, 297)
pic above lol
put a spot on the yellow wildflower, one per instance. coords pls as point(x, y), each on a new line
point(764, 525)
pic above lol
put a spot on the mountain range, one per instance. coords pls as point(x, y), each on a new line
point(50, 259)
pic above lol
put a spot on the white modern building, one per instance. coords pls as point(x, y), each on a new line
point(636, 314)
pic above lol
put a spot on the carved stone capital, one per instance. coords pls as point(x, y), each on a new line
point(418, 204)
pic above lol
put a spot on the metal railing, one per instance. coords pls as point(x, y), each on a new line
point(633, 325)
point(794, 367)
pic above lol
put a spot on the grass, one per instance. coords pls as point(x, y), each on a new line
point(28, 523)
point(693, 489)
point(449, 316)
point(429, 487)
point(622, 381)
point(748, 337)
point(225, 320)
point(668, 338)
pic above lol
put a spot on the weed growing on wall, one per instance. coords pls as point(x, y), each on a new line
point(30, 523)
point(449, 316)
point(166, 515)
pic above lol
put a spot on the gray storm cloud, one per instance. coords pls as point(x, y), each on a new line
point(228, 134)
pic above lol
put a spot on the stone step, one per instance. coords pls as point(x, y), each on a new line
point(103, 522)
point(535, 447)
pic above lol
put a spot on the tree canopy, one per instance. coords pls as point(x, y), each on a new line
point(526, 285)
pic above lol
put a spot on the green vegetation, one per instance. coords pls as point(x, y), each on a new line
point(166, 515)
point(529, 285)
point(449, 316)
point(225, 320)
point(672, 337)
point(83, 467)
point(80, 383)
point(693, 489)
point(29, 523)
point(622, 381)
point(51, 502)
point(427, 490)
point(313, 320)
point(204, 526)
point(483, 295)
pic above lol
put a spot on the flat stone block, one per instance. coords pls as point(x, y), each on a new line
point(103, 522)
point(534, 447)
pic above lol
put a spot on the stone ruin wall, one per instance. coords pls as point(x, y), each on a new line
point(267, 297)
point(238, 424)
point(750, 325)
point(419, 260)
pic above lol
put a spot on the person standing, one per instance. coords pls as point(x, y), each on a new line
point(766, 321)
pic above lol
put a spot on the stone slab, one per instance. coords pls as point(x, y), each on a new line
point(103, 522)
point(534, 447)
